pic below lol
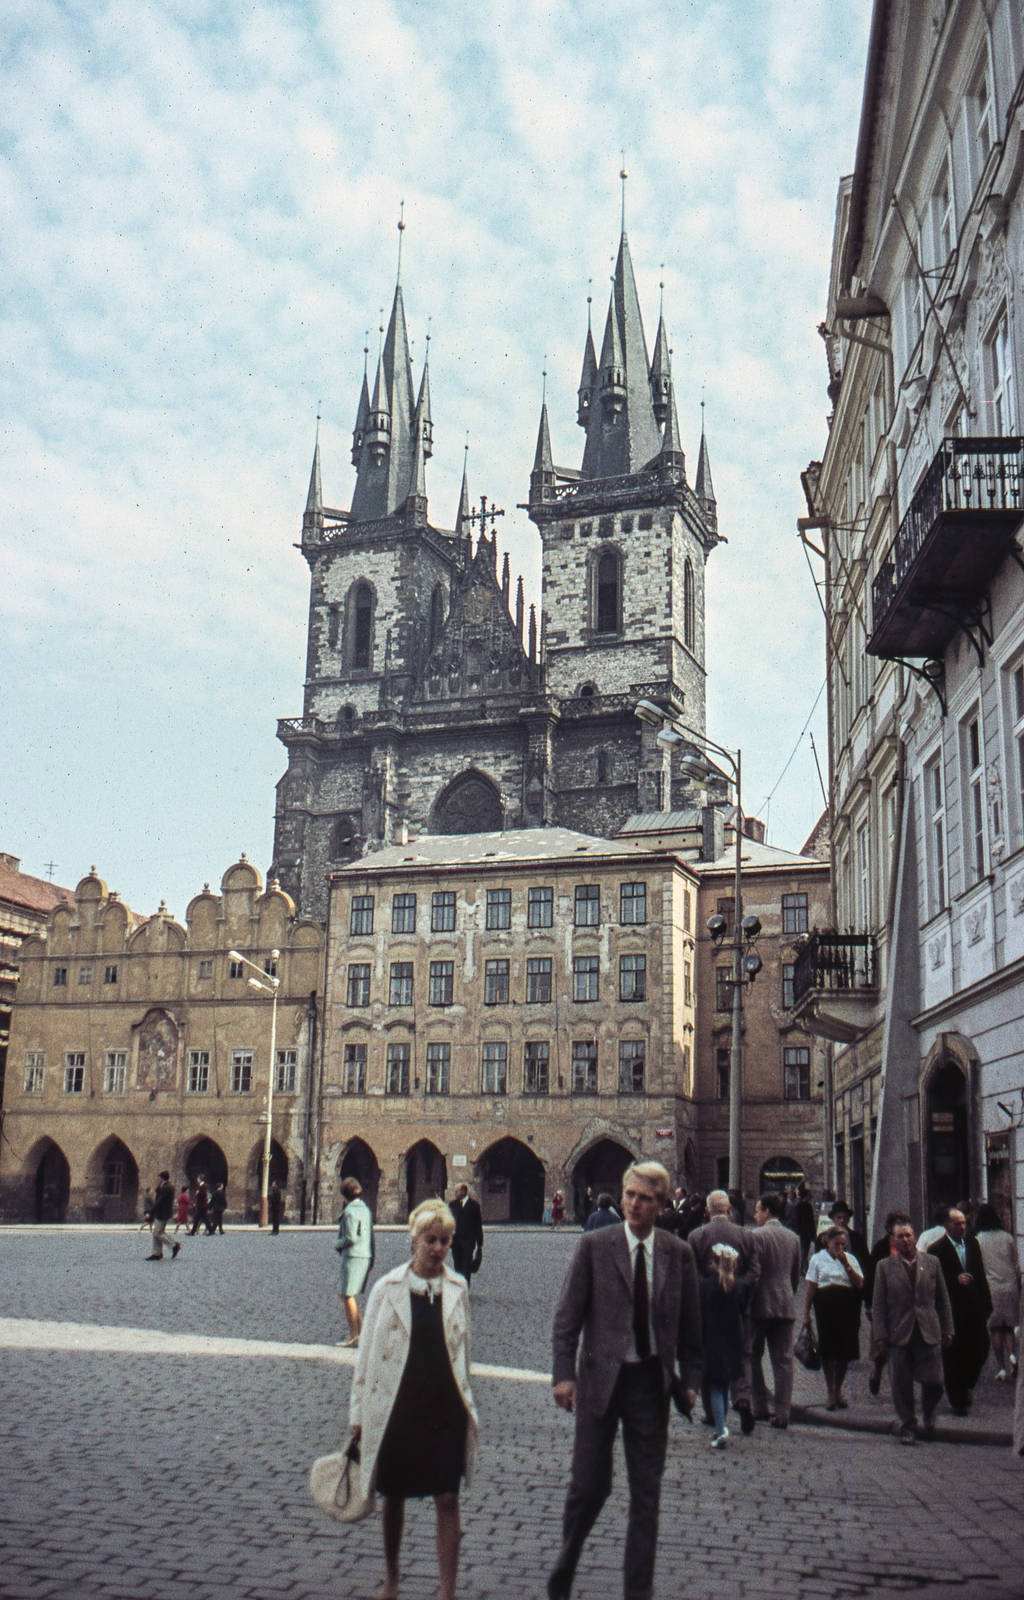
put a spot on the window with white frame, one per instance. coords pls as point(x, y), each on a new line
point(74, 1072)
point(199, 1072)
point(585, 978)
point(400, 986)
point(495, 1067)
point(110, 974)
point(285, 1067)
point(439, 1066)
point(943, 217)
point(935, 810)
point(632, 1054)
point(85, 975)
point(974, 797)
point(535, 1067)
point(983, 118)
point(999, 359)
point(499, 909)
point(398, 1060)
point(496, 983)
point(241, 1071)
point(354, 1079)
point(863, 878)
point(1016, 718)
point(796, 1072)
point(35, 1066)
point(913, 308)
point(115, 1071)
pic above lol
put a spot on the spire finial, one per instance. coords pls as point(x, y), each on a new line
point(544, 383)
point(366, 350)
point(401, 230)
point(661, 294)
point(623, 175)
point(380, 331)
point(318, 406)
point(590, 301)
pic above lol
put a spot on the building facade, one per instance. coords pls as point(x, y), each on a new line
point(432, 703)
point(24, 905)
point(917, 506)
point(138, 1044)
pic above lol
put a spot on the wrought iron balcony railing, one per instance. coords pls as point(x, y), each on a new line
point(836, 963)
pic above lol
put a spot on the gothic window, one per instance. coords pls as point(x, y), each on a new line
point(436, 615)
point(689, 610)
point(609, 597)
point(359, 628)
point(469, 805)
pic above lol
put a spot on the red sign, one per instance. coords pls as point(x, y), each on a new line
point(664, 1133)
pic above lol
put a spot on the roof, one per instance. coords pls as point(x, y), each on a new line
point(661, 821)
point(756, 857)
point(35, 894)
point(476, 849)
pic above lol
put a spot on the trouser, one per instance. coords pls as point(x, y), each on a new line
point(462, 1257)
point(215, 1222)
point(640, 1403)
point(964, 1359)
point(719, 1405)
point(739, 1388)
point(912, 1363)
point(777, 1335)
point(200, 1221)
point(160, 1235)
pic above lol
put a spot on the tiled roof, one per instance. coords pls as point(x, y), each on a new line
point(468, 849)
point(35, 894)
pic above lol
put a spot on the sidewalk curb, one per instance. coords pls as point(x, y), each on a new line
point(942, 1435)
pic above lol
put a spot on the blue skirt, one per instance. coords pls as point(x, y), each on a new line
point(354, 1273)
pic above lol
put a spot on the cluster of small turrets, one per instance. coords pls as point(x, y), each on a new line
point(487, 549)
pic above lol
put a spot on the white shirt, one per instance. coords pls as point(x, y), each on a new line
point(960, 1246)
point(824, 1270)
point(647, 1246)
point(929, 1237)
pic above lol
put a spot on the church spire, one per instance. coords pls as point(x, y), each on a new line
point(661, 374)
point(462, 522)
point(425, 421)
point(671, 444)
point(543, 474)
point(386, 462)
point(622, 433)
point(703, 488)
point(588, 377)
point(359, 431)
point(313, 516)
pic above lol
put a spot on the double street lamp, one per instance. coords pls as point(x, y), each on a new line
point(746, 963)
point(269, 983)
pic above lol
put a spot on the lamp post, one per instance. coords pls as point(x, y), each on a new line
point(269, 984)
point(744, 966)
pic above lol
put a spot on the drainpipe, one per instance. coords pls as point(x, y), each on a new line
point(307, 1141)
point(318, 1126)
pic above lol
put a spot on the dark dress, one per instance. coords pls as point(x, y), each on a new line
point(423, 1451)
point(837, 1313)
point(721, 1318)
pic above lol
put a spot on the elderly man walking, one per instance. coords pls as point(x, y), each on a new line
point(971, 1300)
point(632, 1293)
point(912, 1322)
point(720, 1229)
point(773, 1309)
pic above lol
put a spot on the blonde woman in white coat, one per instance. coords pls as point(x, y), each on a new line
point(412, 1406)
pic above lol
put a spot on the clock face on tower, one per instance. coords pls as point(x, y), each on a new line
point(472, 805)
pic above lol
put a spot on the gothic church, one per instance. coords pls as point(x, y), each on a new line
point(431, 704)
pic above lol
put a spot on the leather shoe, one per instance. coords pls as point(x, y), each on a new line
point(747, 1421)
point(777, 1424)
point(153, 1258)
point(874, 1383)
point(559, 1586)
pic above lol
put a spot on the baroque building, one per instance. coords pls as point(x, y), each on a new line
point(916, 511)
point(433, 703)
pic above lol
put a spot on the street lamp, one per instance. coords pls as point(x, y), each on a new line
point(269, 984)
point(746, 963)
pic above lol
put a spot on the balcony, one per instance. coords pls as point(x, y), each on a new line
point(956, 534)
point(835, 985)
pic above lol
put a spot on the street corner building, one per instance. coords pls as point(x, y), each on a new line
point(137, 1044)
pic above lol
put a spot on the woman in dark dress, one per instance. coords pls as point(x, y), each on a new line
point(834, 1285)
point(723, 1302)
point(412, 1406)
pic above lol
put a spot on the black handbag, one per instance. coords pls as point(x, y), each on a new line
point(806, 1349)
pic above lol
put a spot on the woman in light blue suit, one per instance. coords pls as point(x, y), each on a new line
point(355, 1246)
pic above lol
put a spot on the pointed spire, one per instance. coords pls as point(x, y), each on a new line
point(612, 376)
point(588, 377)
point(359, 431)
point(417, 476)
point(519, 607)
point(386, 465)
point(661, 374)
point(313, 516)
point(671, 444)
point(542, 461)
point(533, 633)
point(425, 422)
point(622, 433)
point(703, 488)
point(462, 522)
point(506, 581)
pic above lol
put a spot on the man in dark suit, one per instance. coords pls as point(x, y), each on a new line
point(632, 1293)
point(468, 1240)
point(773, 1309)
point(971, 1300)
point(911, 1322)
point(722, 1230)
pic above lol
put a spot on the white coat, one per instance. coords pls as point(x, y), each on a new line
point(383, 1347)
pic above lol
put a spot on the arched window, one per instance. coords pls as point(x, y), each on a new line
point(587, 691)
point(436, 615)
point(689, 607)
point(608, 592)
point(362, 627)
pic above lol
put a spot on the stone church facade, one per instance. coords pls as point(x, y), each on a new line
point(433, 703)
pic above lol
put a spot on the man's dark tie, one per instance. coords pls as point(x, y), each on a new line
point(641, 1305)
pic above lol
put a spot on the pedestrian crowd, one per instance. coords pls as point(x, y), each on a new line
point(198, 1209)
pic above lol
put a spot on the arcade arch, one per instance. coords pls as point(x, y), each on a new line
point(599, 1169)
point(510, 1177)
point(426, 1173)
point(358, 1161)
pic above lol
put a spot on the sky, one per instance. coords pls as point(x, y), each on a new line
point(198, 209)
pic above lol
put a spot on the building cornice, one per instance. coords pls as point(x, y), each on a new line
point(994, 983)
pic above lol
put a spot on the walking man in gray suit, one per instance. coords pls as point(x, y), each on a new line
point(912, 1321)
point(773, 1309)
point(631, 1292)
point(720, 1229)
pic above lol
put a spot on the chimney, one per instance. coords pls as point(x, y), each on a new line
point(712, 833)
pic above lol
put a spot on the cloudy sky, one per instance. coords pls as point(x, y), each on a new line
point(199, 202)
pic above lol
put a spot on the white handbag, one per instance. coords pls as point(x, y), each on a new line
point(335, 1482)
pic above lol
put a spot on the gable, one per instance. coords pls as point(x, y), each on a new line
point(479, 651)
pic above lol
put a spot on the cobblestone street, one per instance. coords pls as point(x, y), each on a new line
point(151, 1477)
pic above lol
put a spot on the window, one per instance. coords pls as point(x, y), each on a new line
point(631, 1066)
point(441, 979)
point(236, 969)
point(362, 913)
point(936, 813)
point(588, 905)
point(633, 977)
point(726, 909)
point(115, 1069)
point(496, 983)
point(442, 911)
point(788, 968)
point(85, 975)
point(499, 909)
point(794, 913)
point(113, 1178)
point(983, 111)
point(722, 1068)
point(74, 1072)
point(270, 967)
point(206, 968)
point(863, 878)
point(999, 357)
point(496, 1067)
point(687, 910)
point(35, 1063)
point(796, 1067)
point(241, 1071)
point(284, 1080)
point(110, 974)
point(540, 908)
point(354, 1080)
point(538, 981)
point(436, 615)
point(723, 988)
point(403, 913)
point(400, 989)
point(535, 1068)
point(687, 984)
point(585, 978)
point(359, 983)
point(1017, 709)
point(608, 593)
point(943, 219)
point(584, 1066)
point(439, 1062)
point(60, 977)
point(689, 607)
point(198, 1071)
point(913, 310)
point(398, 1068)
point(362, 627)
point(974, 801)
point(633, 903)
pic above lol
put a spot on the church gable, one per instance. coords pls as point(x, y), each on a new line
point(479, 651)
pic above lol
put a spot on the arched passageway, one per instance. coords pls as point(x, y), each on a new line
point(53, 1185)
point(206, 1158)
point(358, 1161)
point(511, 1183)
point(599, 1169)
point(115, 1182)
point(426, 1173)
point(780, 1174)
point(948, 1170)
point(254, 1176)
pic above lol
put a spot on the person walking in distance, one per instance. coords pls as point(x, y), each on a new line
point(834, 1286)
point(604, 1215)
point(880, 1251)
point(723, 1301)
point(773, 1309)
point(218, 1206)
point(201, 1205)
point(971, 1300)
point(468, 1242)
point(163, 1210)
point(632, 1294)
point(1002, 1271)
point(275, 1205)
point(558, 1209)
point(147, 1212)
point(182, 1206)
point(354, 1244)
point(912, 1322)
point(805, 1223)
point(720, 1229)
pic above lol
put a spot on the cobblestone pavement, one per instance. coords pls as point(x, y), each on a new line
point(159, 1478)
